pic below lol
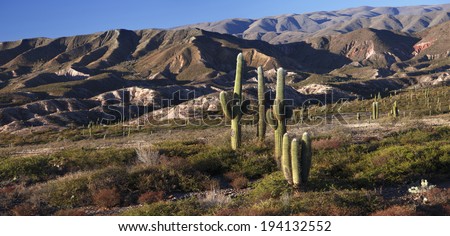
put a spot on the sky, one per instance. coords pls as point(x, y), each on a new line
point(56, 18)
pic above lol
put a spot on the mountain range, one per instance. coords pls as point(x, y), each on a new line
point(54, 83)
point(298, 27)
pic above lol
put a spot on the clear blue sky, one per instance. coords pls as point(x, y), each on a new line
point(55, 18)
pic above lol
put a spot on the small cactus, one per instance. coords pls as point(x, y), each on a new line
point(296, 160)
point(233, 105)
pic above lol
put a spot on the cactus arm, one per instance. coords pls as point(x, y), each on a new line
point(238, 79)
point(225, 104)
point(286, 160)
point(306, 157)
point(271, 120)
point(280, 84)
point(295, 164)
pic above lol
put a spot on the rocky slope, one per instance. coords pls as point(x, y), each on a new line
point(74, 80)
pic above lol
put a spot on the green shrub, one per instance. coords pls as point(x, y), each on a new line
point(166, 180)
point(214, 161)
point(256, 166)
point(180, 148)
point(90, 159)
point(67, 192)
point(28, 169)
point(271, 186)
point(336, 202)
point(188, 207)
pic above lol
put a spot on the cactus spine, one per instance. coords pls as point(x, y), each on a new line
point(276, 117)
point(232, 105)
point(261, 106)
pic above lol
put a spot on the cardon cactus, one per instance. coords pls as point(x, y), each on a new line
point(233, 105)
point(395, 110)
point(375, 110)
point(296, 160)
point(261, 132)
point(277, 115)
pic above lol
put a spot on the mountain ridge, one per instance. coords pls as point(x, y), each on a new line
point(297, 27)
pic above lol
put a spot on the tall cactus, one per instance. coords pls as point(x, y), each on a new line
point(375, 110)
point(296, 160)
point(276, 116)
point(306, 159)
point(261, 105)
point(395, 110)
point(233, 105)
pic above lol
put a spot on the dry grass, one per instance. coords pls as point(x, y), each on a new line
point(331, 143)
point(396, 211)
point(214, 198)
point(148, 155)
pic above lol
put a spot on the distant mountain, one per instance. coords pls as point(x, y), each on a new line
point(69, 80)
point(434, 43)
point(298, 27)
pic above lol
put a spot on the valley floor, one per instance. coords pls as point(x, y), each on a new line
point(359, 168)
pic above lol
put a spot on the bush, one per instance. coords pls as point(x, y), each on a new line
point(336, 202)
point(331, 143)
point(148, 155)
point(66, 192)
point(25, 209)
point(271, 186)
point(256, 166)
point(180, 148)
point(70, 212)
point(106, 198)
point(42, 168)
point(188, 207)
point(268, 207)
point(151, 197)
point(396, 211)
point(237, 180)
point(28, 169)
point(167, 180)
point(91, 159)
point(110, 177)
point(214, 161)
